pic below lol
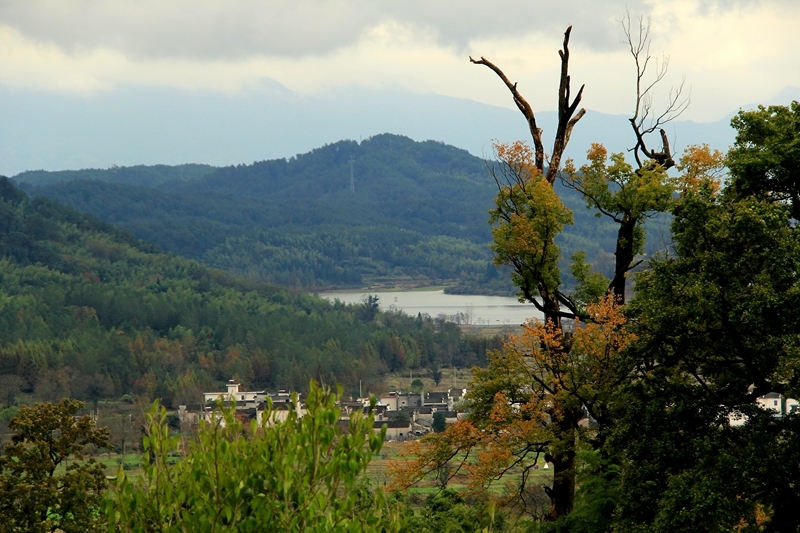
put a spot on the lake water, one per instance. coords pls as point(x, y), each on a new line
point(459, 308)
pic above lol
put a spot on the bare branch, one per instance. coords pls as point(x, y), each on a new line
point(567, 302)
point(566, 110)
point(575, 186)
point(643, 121)
point(523, 106)
point(568, 113)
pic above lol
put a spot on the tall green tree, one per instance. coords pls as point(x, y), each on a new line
point(716, 332)
point(46, 484)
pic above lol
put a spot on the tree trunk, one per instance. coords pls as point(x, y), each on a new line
point(551, 307)
point(562, 494)
point(562, 454)
point(624, 258)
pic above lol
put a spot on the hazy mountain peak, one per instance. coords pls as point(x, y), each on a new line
point(145, 126)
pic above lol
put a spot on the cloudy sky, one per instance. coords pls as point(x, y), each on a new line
point(731, 52)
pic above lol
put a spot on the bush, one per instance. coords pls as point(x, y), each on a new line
point(299, 474)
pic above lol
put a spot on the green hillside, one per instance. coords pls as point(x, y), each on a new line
point(418, 215)
point(149, 176)
point(89, 311)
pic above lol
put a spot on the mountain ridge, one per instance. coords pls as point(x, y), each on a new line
point(418, 216)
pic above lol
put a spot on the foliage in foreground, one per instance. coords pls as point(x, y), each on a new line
point(33, 498)
point(297, 474)
point(448, 511)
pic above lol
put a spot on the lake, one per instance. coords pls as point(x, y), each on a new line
point(458, 308)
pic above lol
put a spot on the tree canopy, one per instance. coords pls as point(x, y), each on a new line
point(764, 160)
point(39, 491)
point(699, 453)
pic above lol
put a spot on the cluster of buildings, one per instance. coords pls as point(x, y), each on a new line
point(406, 415)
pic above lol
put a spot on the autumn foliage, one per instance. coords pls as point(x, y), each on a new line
point(526, 407)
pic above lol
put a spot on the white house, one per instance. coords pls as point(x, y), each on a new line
point(249, 404)
point(772, 401)
point(234, 394)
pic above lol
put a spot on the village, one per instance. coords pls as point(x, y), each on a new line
point(406, 415)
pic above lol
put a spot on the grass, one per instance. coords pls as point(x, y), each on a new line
point(485, 332)
point(451, 378)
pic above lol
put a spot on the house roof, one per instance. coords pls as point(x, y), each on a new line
point(393, 424)
point(436, 397)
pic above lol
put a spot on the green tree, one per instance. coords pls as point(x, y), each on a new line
point(716, 332)
point(300, 473)
point(439, 422)
point(626, 195)
point(436, 375)
point(33, 496)
point(447, 511)
point(764, 160)
point(369, 307)
point(400, 416)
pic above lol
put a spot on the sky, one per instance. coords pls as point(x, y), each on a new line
point(729, 52)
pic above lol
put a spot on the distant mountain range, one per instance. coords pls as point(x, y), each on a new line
point(134, 126)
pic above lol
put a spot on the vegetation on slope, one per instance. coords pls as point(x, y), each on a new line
point(88, 311)
point(417, 216)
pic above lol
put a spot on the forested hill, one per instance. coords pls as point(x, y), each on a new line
point(418, 214)
point(149, 176)
point(88, 311)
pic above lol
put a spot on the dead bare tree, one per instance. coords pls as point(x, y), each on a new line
point(644, 121)
point(567, 117)
point(650, 73)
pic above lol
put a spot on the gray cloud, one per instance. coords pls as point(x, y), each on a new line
point(217, 29)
